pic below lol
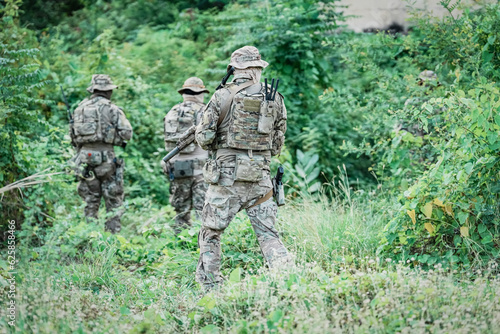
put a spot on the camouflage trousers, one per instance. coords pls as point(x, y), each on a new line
point(104, 180)
point(186, 194)
point(222, 203)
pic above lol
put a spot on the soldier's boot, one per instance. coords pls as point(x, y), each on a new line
point(90, 192)
point(182, 221)
point(262, 217)
point(114, 224)
point(208, 268)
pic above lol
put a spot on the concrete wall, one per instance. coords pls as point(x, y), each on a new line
point(380, 14)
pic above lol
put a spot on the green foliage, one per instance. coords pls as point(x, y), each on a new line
point(353, 100)
point(337, 278)
point(455, 200)
point(304, 174)
point(438, 150)
point(23, 126)
point(294, 37)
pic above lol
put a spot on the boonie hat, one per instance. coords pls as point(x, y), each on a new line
point(101, 82)
point(193, 84)
point(428, 76)
point(245, 57)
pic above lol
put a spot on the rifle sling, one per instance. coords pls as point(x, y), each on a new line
point(263, 199)
point(226, 105)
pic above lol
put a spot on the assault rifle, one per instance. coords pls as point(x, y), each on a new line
point(278, 191)
point(186, 139)
point(226, 77)
point(70, 117)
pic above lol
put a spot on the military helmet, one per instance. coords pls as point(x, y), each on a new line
point(428, 76)
point(101, 82)
point(193, 84)
point(245, 57)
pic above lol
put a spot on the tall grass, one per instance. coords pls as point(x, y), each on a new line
point(338, 285)
point(330, 228)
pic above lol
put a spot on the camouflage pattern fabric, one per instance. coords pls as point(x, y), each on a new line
point(234, 132)
point(104, 180)
point(101, 82)
point(222, 203)
point(98, 125)
point(244, 175)
point(193, 85)
point(186, 194)
point(187, 190)
point(180, 118)
point(97, 120)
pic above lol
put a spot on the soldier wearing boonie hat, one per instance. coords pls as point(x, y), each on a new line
point(243, 125)
point(99, 125)
point(101, 82)
point(428, 77)
point(245, 57)
point(187, 188)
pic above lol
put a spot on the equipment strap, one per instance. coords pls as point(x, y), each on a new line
point(226, 105)
point(263, 199)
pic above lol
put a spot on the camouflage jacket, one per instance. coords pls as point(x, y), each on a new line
point(179, 119)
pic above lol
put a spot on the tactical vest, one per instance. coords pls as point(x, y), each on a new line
point(180, 118)
point(249, 123)
point(97, 120)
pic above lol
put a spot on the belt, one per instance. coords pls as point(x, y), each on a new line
point(98, 146)
point(227, 152)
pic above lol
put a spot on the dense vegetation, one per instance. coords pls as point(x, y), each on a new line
point(392, 186)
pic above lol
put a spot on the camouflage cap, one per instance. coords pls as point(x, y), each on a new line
point(428, 76)
point(245, 57)
point(101, 82)
point(193, 84)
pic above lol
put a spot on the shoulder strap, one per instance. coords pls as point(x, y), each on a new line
point(226, 105)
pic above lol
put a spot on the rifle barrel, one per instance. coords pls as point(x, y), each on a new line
point(171, 154)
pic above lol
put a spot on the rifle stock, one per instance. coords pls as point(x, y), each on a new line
point(226, 77)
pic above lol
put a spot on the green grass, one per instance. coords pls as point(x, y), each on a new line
point(145, 283)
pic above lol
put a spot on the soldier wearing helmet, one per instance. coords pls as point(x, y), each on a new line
point(187, 188)
point(243, 129)
point(99, 125)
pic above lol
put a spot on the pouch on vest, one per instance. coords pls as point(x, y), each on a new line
point(175, 126)
point(86, 119)
point(266, 118)
point(183, 169)
point(211, 171)
point(243, 131)
point(90, 157)
point(249, 169)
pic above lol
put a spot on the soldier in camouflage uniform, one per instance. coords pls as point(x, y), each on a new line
point(187, 188)
point(97, 126)
point(243, 130)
